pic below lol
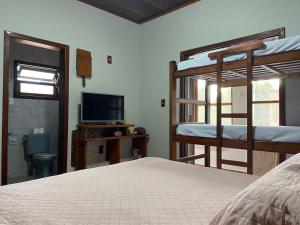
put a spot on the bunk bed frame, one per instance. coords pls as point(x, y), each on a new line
point(232, 74)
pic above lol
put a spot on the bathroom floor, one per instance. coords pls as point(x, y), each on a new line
point(12, 180)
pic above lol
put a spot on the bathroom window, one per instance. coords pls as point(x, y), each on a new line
point(35, 81)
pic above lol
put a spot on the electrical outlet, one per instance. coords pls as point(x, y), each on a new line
point(101, 149)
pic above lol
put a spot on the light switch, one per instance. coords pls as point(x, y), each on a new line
point(163, 103)
point(109, 59)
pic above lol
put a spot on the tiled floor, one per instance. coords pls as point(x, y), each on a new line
point(18, 179)
point(13, 180)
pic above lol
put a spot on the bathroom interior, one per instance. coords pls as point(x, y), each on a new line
point(33, 124)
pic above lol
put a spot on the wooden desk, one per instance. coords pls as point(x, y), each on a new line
point(86, 133)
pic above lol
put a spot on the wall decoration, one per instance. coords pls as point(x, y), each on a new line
point(84, 64)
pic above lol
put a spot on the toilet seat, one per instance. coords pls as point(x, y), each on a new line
point(36, 149)
point(44, 156)
point(43, 163)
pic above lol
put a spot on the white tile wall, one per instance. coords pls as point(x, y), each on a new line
point(24, 115)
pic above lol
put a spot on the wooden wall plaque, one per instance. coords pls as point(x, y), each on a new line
point(84, 64)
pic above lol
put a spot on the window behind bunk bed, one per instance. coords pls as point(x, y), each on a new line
point(226, 104)
point(265, 113)
point(201, 96)
point(212, 102)
point(266, 102)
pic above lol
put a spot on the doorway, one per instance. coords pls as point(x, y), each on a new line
point(22, 90)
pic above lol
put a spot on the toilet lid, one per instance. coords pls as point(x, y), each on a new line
point(44, 155)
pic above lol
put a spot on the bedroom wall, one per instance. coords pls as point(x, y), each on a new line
point(292, 96)
point(141, 53)
point(203, 23)
point(81, 26)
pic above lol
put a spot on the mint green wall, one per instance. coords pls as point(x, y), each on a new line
point(81, 26)
point(140, 53)
point(203, 23)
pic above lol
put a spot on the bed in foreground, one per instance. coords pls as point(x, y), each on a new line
point(156, 191)
point(146, 191)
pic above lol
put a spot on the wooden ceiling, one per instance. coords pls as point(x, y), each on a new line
point(139, 11)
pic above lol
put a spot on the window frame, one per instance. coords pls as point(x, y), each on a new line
point(17, 84)
point(280, 102)
point(268, 102)
point(208, 102)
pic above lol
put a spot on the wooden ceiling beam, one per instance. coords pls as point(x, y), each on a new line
point(158, 4)
point(110, 10)
point(171, 9)
point(131, 8)
point(141, 11)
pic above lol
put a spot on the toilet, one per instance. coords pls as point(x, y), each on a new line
point(36, 150)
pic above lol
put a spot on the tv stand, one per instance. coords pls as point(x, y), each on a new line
point(89, 123)
point(104, 132)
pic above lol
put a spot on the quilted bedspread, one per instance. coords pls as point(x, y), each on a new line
point(274, 199)
point(145, 191)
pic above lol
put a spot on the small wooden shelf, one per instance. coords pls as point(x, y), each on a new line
point(89, 132)
point(109, 138)
point(104, 126)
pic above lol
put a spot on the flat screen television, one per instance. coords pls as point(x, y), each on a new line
point(101, 108)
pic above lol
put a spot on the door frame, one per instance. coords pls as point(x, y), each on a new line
point(63, 99)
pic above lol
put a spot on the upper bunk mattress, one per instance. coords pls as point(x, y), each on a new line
point(145, 191)
point(238, 132)
point(272, 47)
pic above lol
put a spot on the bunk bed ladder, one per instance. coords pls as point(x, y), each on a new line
point(248, 115)
point(250, 139)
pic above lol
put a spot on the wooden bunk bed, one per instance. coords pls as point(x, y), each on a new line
point(231, 74)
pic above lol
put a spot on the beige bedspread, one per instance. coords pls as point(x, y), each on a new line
point(146, 191)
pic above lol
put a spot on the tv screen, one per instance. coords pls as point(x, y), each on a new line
point(101, 107)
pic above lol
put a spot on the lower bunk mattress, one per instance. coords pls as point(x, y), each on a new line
point(145, 191)
point(288, 134)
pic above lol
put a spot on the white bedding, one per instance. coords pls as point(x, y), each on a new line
point(146, 191)
point(261, 133)
point(276, 46)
